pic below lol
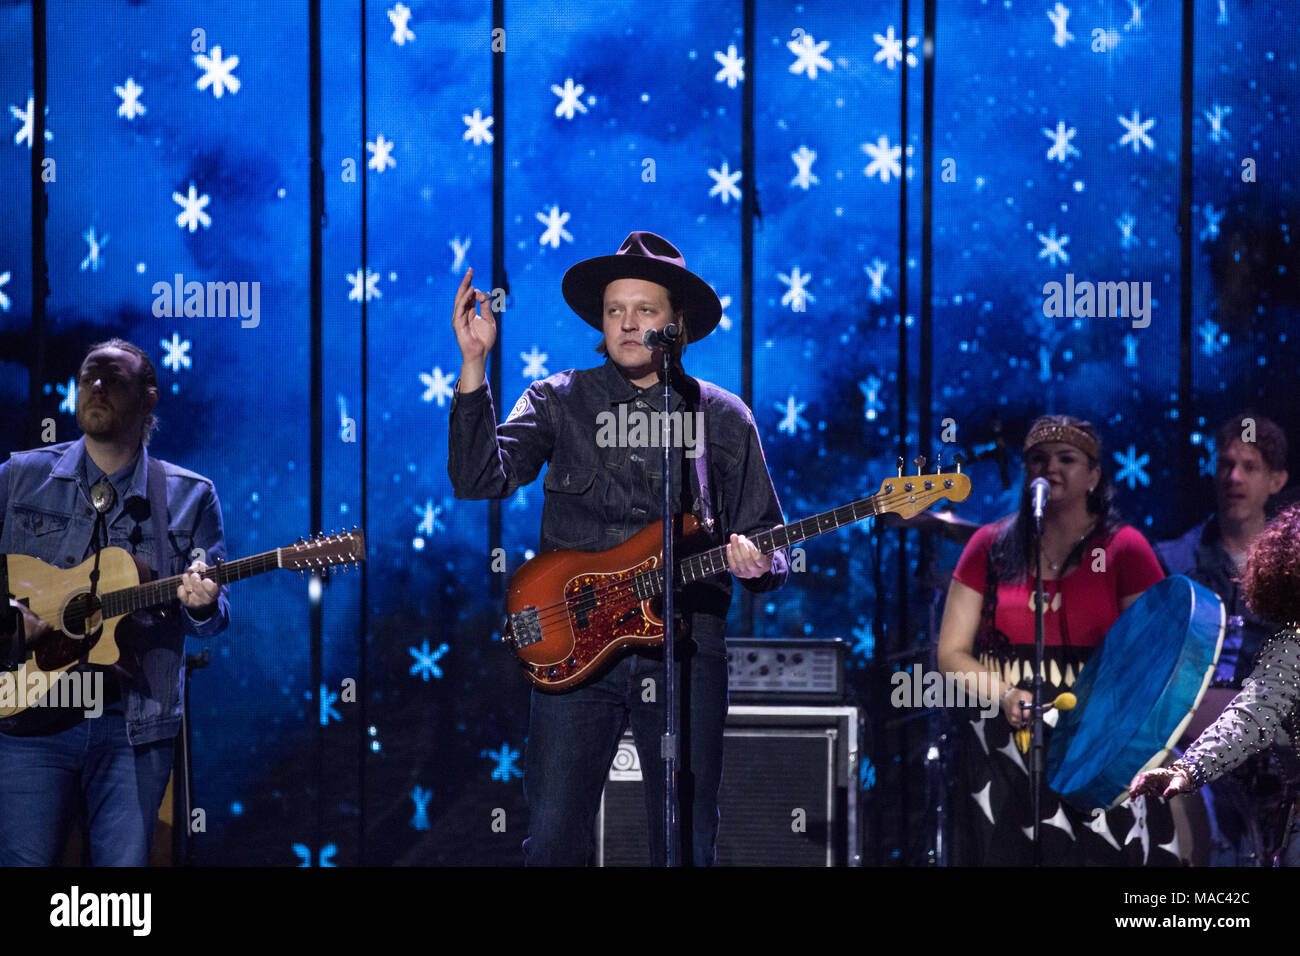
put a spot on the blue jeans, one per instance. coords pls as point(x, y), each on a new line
point(91, 771)
point(572, 739)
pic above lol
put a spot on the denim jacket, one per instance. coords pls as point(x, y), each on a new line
point(598, 497)
point(45, 512)
point(1200, 555)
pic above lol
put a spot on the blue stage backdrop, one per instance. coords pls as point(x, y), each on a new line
point(179, 151)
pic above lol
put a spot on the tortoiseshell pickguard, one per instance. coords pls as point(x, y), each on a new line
point(596, 626)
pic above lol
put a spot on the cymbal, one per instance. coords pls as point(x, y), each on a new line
point(945, 524)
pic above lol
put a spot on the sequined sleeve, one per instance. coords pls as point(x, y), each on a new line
point(1264, 712)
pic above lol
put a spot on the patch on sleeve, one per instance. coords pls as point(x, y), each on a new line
point(521, 406)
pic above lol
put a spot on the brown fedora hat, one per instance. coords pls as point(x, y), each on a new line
point(643, 255)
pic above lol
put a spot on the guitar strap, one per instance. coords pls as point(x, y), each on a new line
point(703, 463)
point(159, 517)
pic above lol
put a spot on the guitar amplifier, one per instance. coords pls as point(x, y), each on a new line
point(789, 792)
point(772, 670)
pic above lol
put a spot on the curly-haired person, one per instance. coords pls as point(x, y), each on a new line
point(1268, 708)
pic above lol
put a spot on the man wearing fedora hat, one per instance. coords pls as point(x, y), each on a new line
point(598, 494)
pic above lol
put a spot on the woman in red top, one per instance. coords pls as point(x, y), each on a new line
point(1093, 568)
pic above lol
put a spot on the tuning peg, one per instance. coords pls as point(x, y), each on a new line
point(938, 462)
point(919, 461)
point(959, 460)
point(900, 466)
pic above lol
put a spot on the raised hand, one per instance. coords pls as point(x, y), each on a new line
point(476, 332)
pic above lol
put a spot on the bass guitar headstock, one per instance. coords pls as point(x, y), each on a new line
point(909, 495)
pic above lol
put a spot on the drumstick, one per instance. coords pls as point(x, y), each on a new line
point(1066, 701)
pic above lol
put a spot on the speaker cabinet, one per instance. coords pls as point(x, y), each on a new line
point(789, 792)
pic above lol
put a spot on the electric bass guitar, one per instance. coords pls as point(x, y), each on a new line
point(569, 612)
point(84, 628)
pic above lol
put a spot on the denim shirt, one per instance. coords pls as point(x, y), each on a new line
point(1200, 555)
point(45, 512)
point(598, 497)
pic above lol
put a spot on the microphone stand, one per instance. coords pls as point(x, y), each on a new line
point(1036, 763)
point(668, 747)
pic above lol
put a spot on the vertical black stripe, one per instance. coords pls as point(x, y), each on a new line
point(1186, 456)
point(40, 208)
point(499, 279)
point(749, 211)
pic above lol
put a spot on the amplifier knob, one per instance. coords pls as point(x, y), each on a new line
point(763, 670)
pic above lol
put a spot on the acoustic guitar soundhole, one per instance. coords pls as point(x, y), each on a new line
point(82, 615)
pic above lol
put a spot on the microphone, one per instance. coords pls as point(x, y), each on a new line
point(1039, 488)
point(660, 338)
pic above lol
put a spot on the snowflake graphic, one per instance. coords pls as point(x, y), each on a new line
point(400, 17)
point(420, 797)
point(724, 183)
point(328, 711)
point(505, 758)
point(885, 159)
point(458, 249)
point(1223, 13)
point(429, 523)
point(1059, 15)
point(867, 774)
point(1053, 247)
point(69, 393)
point(131, 107)
point(303, 852)
point(808, 55)
point(25, 124)
point(1213, 339)
point(1212, 220)
point(554, 221)
point(192, 205)
point(793, 412)
point(1135, 15)
point(870, 388)
point(381, 150)
point(480, 128)
point(569, 101)
point(724, 323)
point(437, 386)
point(803, 159)
point(1215, 119)
point(371, 286)
point(733, 67)
point(1126, 222)
point(426, 661)
point(177, 349)
point(217, 73)
point(1061, 148)
point(1130, 350)
point(1137, 133)
point(1132, 468)
point(796, 296)
point(534, 364)
point(94, 244)
point(891, 49)
point(4, 299)
point(876, 273)
point(864, 644)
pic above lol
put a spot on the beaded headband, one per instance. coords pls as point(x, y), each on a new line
point(1064, 433)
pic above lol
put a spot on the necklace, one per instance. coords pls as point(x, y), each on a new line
point(1056, 565)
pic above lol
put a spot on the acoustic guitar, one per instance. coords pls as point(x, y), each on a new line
point(84, 628)
point(570, 612)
